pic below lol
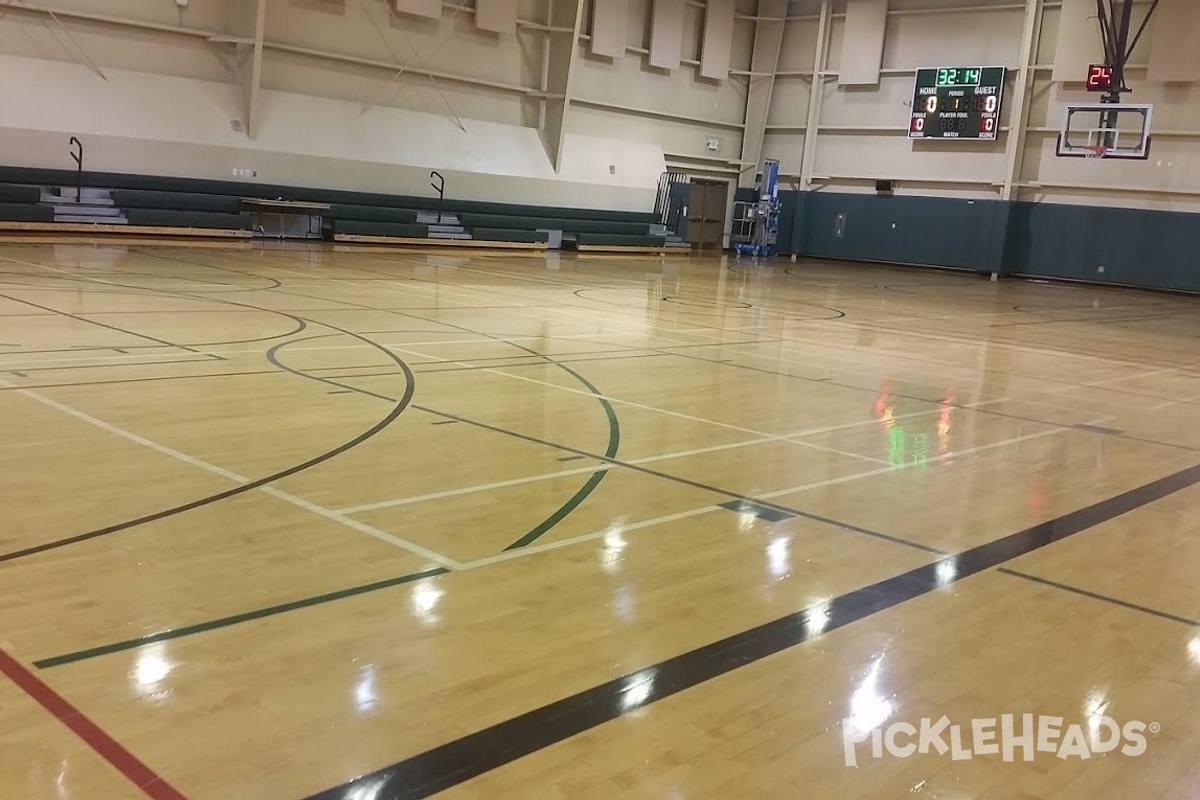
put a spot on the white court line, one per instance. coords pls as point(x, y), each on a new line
point(359, 346)
point(483, 487)
point(234, 477)
point(133, 359)
point(586, 393)
point(642, 331)
point(421, 498)
point(1169, 403)
point(509, 555)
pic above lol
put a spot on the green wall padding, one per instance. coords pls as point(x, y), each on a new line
point(22, 212)
point(19, 194)
point(499, 235)
point(396, 230)
point(169, 218)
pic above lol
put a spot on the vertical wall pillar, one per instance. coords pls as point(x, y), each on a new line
point(764, 61)
point(812, 124)
point(251, 22)
point(1014, 148)
point(566, 19)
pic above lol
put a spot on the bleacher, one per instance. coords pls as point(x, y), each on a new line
point(43, 200)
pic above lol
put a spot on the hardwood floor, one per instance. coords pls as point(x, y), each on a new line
point(297, 521)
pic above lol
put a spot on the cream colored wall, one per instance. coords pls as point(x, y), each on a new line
point(862, 132)
point(679, 110)
point(346, 102)
point(304, 140)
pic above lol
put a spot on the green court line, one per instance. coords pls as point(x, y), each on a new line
point(236, 619)
point(614, 443)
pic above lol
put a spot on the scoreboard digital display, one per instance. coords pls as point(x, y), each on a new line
point(957, 103)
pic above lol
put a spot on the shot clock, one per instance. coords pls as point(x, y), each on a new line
point(1100, 78)
point(957, 103)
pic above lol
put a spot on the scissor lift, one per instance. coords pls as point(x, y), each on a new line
point(756, 225)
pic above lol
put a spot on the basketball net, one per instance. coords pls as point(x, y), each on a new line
point(1094, 152)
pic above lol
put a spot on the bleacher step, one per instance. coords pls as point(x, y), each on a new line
point(87, 210)
point(92, 219)
point(65, 195)
point(431, 218)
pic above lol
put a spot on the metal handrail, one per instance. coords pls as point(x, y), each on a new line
point(440, 189)
point(78, 157)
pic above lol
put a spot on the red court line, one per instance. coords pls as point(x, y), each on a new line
point(108, 748)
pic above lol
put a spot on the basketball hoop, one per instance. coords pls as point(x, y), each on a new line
point(1094, 152)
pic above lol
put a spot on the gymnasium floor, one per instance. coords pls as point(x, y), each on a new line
point(282, 518)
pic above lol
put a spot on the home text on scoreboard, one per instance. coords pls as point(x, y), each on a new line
point(957, 103)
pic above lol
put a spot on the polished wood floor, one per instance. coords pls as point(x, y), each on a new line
point(300, 521)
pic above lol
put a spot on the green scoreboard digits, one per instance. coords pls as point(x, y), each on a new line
point(957, 103)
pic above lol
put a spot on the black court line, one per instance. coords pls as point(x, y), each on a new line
point(758, 510)
point(613, 460)
point(142, 380)
point(205, 358)
point(738, 496)
point(99, 324)
point(975, 409)
point(490, 748)
point(235, 619)
point(1097, 596)
point(1083, 426)
point(399, 407)
point(540, 362)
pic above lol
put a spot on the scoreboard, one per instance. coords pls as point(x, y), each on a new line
point(957, 103)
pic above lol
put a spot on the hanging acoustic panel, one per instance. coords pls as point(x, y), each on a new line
point(609, 27)
point(718, 39)
point(496, 16)
point(666, 34)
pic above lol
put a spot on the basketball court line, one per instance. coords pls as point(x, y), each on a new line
point(401, 501)
point(240, 480)
point(86, 365)
point(151, 783)
point(404, 349)
point(1021, 376)
point(975, 405)
point(567, 310)
point(1107, 361)
point(1169, 403)
point(94, 322)
point(964, 339)
point(86, 361)
point(668, 349)
point(530, 550)
point(1102, 597)
point(643, 407)
point(235, 619)
point(482, 751)
point(397, 409)
point(758, 498)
